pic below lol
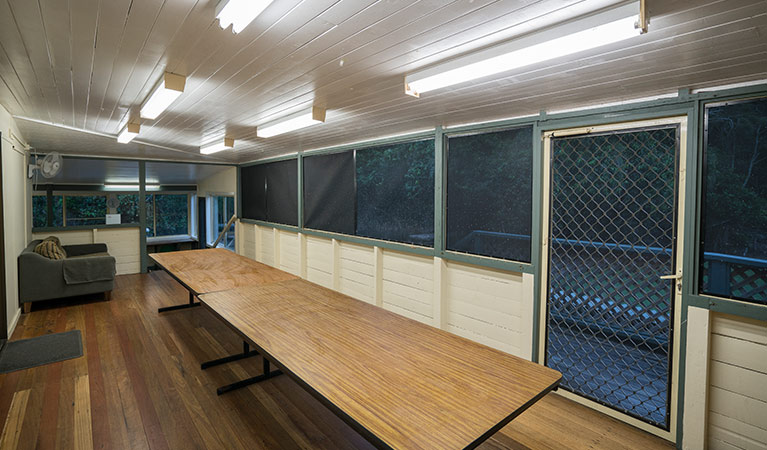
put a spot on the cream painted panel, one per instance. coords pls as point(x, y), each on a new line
point(289, 252)
point(408, 284)
point(122, 243)
point(737, 398)
point(248, 247)
point(488, 306)
point(356, 274)
point(319, 261)
point(265, 253)
point(14, 212)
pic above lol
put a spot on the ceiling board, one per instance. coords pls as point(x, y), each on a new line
point(90, 64)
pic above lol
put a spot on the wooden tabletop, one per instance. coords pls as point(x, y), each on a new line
point(401, 383)
point(216, 269)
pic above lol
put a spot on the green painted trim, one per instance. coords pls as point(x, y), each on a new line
point(759, 90)
point(279, 226)
point(440, 190)
point(488, 127)
point(535, 238)
point(728, 306)
point(373, 143)
point(83, 227)
point(237, 191)
point(259, 162)
point(144, 259)
point(646, 112)
point(300, 190)
point(488, 262)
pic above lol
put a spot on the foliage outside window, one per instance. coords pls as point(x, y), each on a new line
point(167, 214)
point(40, 211)
point(85, 210)
point(489, 194)
point(395, 192)
point(223, 209)
point(733, 258)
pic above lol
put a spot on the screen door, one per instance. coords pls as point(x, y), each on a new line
point(611, 237)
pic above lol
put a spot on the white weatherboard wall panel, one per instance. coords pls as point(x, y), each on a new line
point(122, 243)
point(248, 244)
point(319, 261)
point(408, 285)
point(737, 397)
point(489, 306)
point(289, 252)
point(266, 252)
point(356, 277)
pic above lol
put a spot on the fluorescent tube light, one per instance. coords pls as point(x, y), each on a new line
point(239, 13)
point(130, 187)
point(165, 93)
point(225, 144)
point(579, 35)
point(127, 134)
point(292, 122)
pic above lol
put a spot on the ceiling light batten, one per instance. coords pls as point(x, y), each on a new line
point(239, 13)
point(292, 122)
point(217, 146)
point(170, 87)
point(592, 31)
point(130, 131)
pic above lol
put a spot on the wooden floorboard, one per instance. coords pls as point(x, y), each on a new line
point(139, 386)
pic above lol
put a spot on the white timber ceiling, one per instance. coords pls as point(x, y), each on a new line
point(86, 64)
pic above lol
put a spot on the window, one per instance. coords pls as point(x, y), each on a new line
point(270, 192)
point(395, 192)
point(40, 211)
point(222, 209)
point(128, 208)
point(489, 194)
point(85, 210)
point(734, 221)
point(329, 192)
point(167, 214)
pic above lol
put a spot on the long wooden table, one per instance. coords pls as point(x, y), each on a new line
point(215, 269)
point(398, 382)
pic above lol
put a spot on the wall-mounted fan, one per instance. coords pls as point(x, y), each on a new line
point(112, 202)
point(49, 167)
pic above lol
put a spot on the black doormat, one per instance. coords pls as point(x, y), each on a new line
point(36, 351)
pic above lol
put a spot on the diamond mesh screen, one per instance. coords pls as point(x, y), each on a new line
point(612, 235)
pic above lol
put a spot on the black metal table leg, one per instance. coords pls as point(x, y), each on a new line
point(191, 304)
point(247, 382)
point(246, 353)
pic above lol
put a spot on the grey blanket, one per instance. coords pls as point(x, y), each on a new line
point(87, 269)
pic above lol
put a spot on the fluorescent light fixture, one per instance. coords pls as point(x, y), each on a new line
point(217, 146)
point(130, 187)
point(301, 119)
point(239, 13)
point(165, 93)
point(127, 134)
point(582, 34)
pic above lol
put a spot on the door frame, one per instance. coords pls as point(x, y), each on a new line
point(681, 168)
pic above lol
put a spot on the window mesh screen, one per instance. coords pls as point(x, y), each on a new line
point(734, 220)
point(329, 192)
point(282, 192)
point(395, 192)
point(489, 194)
point(253, 191)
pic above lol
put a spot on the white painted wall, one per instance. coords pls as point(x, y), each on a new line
point(122, 243)
point(488, 306)
point(737, 384)
point(15, 209)
point(222, 183)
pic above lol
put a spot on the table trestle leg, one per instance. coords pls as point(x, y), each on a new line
point(191, 304)
point(246, 353)
point(268, 373)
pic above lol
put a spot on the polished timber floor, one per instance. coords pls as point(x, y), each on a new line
point(139, 385)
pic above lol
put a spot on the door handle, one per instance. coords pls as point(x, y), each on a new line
point(676, 276)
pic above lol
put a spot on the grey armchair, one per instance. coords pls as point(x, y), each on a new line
point(87, 269)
